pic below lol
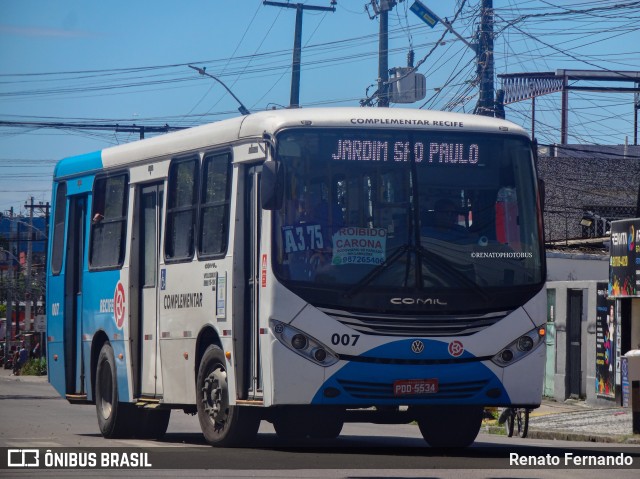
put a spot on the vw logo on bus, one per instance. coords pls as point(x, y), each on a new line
point(417, 346)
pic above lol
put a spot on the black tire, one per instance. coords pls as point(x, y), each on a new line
point(454, 426)
point(522, 418)
point(292, 423)
point(150, 423)
point(113, 416)
point(329, 429)
point(222, 425)
point(509, 423)
point(326, 423)
point(300, 422)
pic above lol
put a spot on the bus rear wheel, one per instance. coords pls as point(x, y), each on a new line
point(113, 416)
point(222, 424)
point(453, 426)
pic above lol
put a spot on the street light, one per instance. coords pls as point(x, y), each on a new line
point(586, 221)
point(242, 109)
point(590, 217)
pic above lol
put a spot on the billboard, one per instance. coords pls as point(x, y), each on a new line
point(605, 344)
point(624, 261)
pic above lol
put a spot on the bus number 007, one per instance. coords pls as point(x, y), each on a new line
point(344, 339)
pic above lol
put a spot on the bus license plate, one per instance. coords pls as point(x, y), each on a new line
point(408, 387)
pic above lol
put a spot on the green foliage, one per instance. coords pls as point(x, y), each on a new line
point(34, 367)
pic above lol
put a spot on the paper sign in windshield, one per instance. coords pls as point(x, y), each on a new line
point(359, 246)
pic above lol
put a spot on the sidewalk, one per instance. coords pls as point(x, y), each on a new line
point(7, 374)
point(574, 420)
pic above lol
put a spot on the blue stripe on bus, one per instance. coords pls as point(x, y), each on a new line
point(78, 164)
point(98, 295)
point(372, 382)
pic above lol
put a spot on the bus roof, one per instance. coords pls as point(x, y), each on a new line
point(253, 126)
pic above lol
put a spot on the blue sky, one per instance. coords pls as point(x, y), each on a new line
point(78, 61)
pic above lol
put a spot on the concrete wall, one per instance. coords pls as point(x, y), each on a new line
point(588, 341)
point(562, 266)
point(635, 323)
point(566, 271)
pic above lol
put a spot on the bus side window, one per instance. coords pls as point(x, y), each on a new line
point(108, 226)
point(214, 205)
point(181, 208)
point(59, 221)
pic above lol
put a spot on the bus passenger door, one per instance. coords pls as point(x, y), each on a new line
point(252, 372)
point(75, 370)
point(148, 225)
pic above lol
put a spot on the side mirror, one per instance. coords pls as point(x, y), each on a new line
point(272, 185)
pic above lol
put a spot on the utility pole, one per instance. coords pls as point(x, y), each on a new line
point(43, 207)
point(27, 295)
point(484, 56)
point(294, 101)
point(636, 107)
point(9, 320)
point(381, 8)
point(383, 53)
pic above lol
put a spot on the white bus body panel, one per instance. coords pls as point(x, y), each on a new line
point(521, 381)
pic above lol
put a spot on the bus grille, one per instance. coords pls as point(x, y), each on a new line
point(375, 390)
point(415, 326)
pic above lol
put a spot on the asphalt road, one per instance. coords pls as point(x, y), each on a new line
point(32, 416)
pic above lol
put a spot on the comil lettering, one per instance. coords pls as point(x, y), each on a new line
point(418, 301)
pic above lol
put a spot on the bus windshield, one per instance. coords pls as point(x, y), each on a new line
point(378, 219)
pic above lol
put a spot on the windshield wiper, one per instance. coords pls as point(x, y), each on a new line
point(433, 260)
point(438, 262)
point(378, 270)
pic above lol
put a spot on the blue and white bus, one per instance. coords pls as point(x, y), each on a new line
point(306, 267)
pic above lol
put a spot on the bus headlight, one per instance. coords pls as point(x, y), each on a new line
point(299, 341)
point(303, 344)
point(519, 348)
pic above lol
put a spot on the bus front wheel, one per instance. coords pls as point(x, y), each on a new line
point(221, 424)
point(113, 416)
point(450, 426)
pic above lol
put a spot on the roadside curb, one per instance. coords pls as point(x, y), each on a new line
point(569, 436)
point(572, 436)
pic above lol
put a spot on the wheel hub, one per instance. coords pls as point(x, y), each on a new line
point(215, 397)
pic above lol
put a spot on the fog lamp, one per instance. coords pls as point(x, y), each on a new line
point(320, 354)
point(506, 355)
